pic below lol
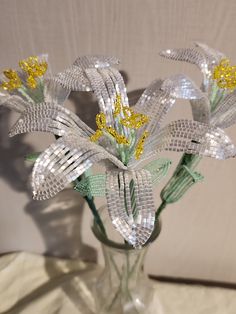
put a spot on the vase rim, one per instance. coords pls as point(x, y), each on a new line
point(123, 246)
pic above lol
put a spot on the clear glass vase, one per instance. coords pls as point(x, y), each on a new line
point(123, 287)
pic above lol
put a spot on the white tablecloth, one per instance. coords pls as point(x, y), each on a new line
point(33, 284)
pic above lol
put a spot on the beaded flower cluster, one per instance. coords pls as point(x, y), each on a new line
point(125, 137)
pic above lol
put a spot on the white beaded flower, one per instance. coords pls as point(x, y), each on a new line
point(124, 138)
point(31, 83)
point(215, 101)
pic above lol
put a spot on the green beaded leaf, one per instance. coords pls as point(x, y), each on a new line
point(93, 185)
point(158, 168)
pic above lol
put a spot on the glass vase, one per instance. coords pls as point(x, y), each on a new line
point(123, 287)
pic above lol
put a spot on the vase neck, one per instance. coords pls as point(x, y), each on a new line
point(124, 263)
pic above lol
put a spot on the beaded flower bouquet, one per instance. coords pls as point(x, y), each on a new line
point(127, 143)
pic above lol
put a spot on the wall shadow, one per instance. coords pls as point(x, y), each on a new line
point(59, 219)
point(60, 223)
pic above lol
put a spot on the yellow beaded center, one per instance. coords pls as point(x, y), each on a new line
point(140, 145)
point(225, 75)
point(131, 119)
point(32, 67)
point(126, 117)
point(14, 80)
point(102, 127)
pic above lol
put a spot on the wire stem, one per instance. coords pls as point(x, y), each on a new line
point(95, 213)
point(92, 206)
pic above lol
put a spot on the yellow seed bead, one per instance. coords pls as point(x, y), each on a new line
point(117, 105)
point(121, 139)
point(34, 69)
point(101, 120)
point(96, 136)
point(14, 80)
point(225, 75)
point(140, 145)
point(132, 120)
point(31, 82)
point(135, 121)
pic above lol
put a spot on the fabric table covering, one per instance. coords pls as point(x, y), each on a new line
point(34, 284)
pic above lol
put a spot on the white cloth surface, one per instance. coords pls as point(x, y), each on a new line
point(34, 284)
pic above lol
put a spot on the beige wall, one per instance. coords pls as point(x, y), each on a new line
point(198, 237)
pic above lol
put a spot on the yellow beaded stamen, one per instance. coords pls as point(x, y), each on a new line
point(101, 124)
point(96, 136)
point(117, 105)
point(133, 120)
point(225, 75)
point(140, 145)
point(129, 119)
point(14, 80)
point(34, 69)
point(101, 120)
point(121, 139)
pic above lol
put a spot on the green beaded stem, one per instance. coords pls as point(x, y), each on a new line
point(183, 178)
